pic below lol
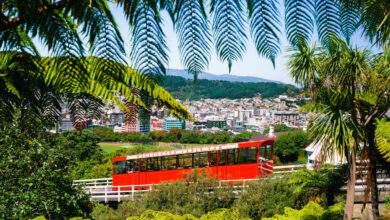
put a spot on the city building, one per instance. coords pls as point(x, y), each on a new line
point(171, 122)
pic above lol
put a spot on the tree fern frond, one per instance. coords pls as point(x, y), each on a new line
point(350, 16)
point(104, 36)
point(327, 19)
point(149, 49)
point(382, 135)
point(299, 20)
point(17, 39)
point(265, 27)
point(229, 29)
point(194, 36)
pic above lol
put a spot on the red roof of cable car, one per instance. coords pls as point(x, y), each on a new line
point(247, 144)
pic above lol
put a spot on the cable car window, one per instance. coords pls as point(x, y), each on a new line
point(154, 164)
point(201, 159)
point(213, 158)
point(185, 161)
point(247, 155)
point(120, 167)
point(135, 165)
point(144, 165)
point(232, 157)
point(222, 157)
point(170, 162)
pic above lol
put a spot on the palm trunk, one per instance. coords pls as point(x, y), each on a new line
point(373, 184)
point(348, 211)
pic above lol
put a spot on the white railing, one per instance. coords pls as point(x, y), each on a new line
point(288, 168)
point(94, 182)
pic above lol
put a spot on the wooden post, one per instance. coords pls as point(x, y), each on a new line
point(119, 193)
point(132, 192)
point(105, 194)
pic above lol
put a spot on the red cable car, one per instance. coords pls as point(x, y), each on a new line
point(245, 160)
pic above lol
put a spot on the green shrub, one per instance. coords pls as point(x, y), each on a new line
point(266, 198)
point(320, 185)
point(312, 211)
point(288, 146)
point(104, 212)
point(222, 214)
point(191, 196)
point(35, 176)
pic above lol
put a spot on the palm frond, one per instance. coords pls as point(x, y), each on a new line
point(194, 36)
point(228, 24)
point(327, 19)
point(265, 27)
point(350, 17)
point(299, 20)
point(149, 48)
point(334, 129)
point(303, 65)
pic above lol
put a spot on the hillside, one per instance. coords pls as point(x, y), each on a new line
point(215, 89)
point(211, 76)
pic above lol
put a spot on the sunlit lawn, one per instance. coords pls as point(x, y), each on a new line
point(110, 147)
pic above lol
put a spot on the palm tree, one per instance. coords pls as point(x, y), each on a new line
point(350, 90)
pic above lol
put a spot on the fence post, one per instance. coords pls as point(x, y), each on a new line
point(105, 194)
point(132, 192)
point(119, 193)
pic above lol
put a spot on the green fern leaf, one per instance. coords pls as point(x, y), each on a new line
point(229, 29)
point(265, 27)
point(194, 36)
point(299, 20)
point(328, 20)
point(149, 49)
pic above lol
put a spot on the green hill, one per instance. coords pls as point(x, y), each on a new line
point(214, 89)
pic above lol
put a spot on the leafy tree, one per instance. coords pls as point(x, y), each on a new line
point(350, 90)
point(214, 89)
point(35, 176)
point(288, 146)
point(267, 197)
point(278, 128)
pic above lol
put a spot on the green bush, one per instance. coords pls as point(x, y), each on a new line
point(172, 136)
point(191, 196)
point(288, 146)
point(312, 211)
point(320, 185)
point(104, 212)
point(35, 176)
point(266, 198)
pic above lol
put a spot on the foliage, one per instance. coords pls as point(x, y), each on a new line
point(183, 89)
point(103, 212)
point(383, 138)
point(288, 146)
point(62, 24)
point(266, 198)
point(35, 175)
point(191, 196)
point(172, 136)
point(278, 128)
point(311, 211)
point(320, 185)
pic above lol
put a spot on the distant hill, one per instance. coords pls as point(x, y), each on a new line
point(183, 89)
point(210, 76)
